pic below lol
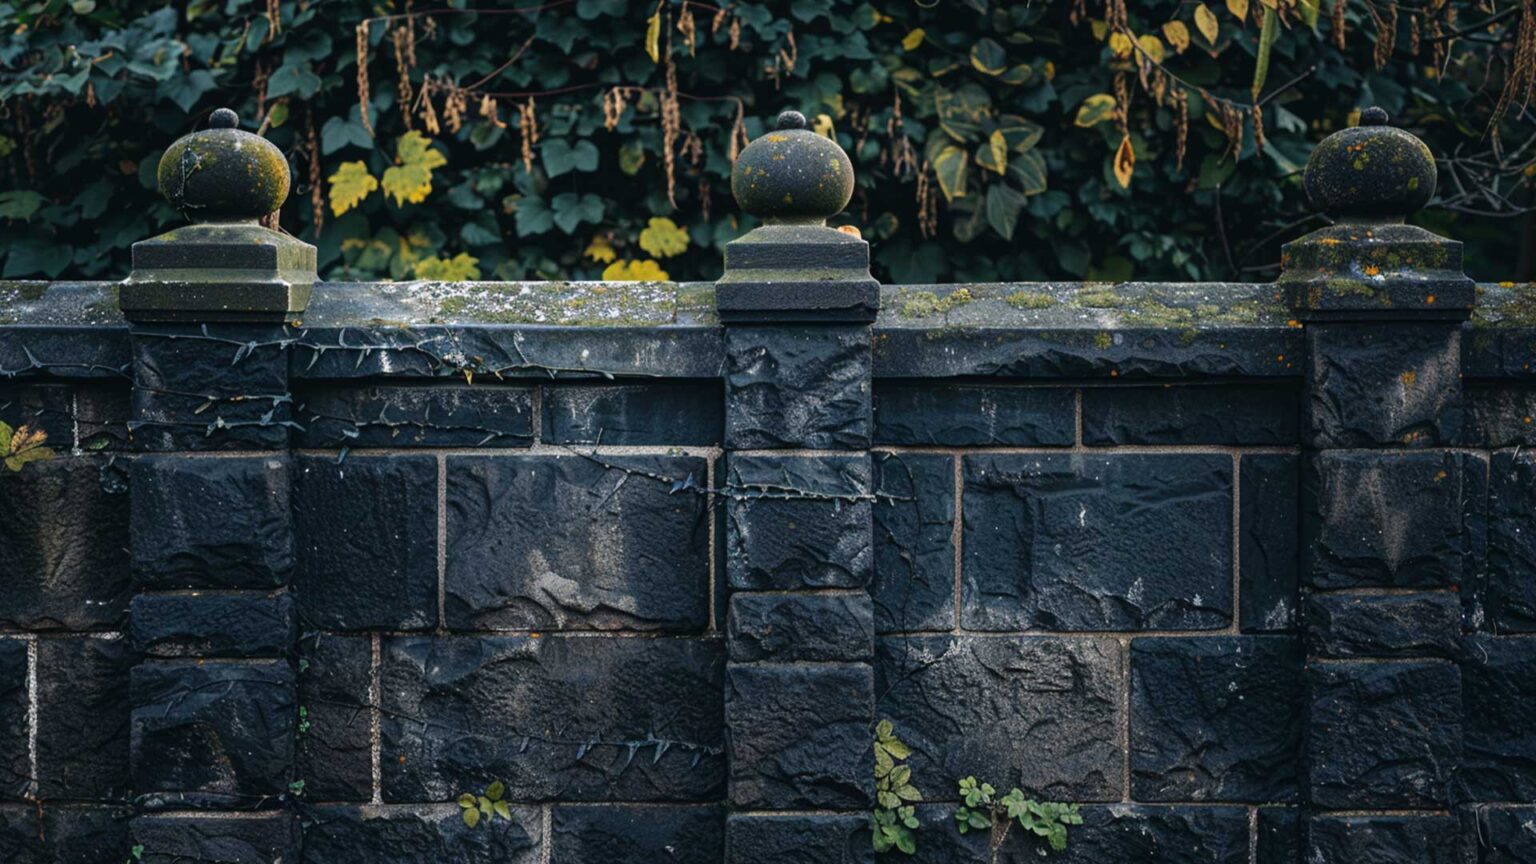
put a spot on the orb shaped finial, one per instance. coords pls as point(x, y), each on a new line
point(223, 173)
point(1373, 171)
point(792, 175)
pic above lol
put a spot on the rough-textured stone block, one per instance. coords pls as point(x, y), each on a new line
point(1269, 559)
point(19, 830)
point(799, 736)
point(45, 408)
point(218, 734)
point(82, 718)
point(1497, 835)
point(931, 413)
point(798, 522)
point(797, 387)
point(64, 562)
point(1499, 699)
point(1383, 736)
point(1214, 718)
point(1112, 834)
point(567, 542)
point(218, 387)
point(1392, 625)
point(270, 839)
point(204, 624)
point(630, 834)
point(1041, 713)
point(1374, 384)
point(1190, 414)
point(555, 718)
point(1278, 839)
point(686, 413)
point(1381, 840)
point(366, 534)
point(914, 521)
point(801, 626)
point(341, 834)
point(211, 522)
point(76, 834)
point(1508, 602)
point(1375, 519)
point(1113, 542)
point(335, 740)
point(803, 839)
point(1501, 416)
point(15, 755)
point(102, 412)
point(417, 415)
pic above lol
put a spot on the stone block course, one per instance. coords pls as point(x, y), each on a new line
point(802, 387)
point(213, 624)
point(219, 387)
point(1110, 834)
point(637, 834)
point(1426, 624)
point(1269, 558)
point(1375, 384)
point(1498, 698)
point(816, 626)
point(1497, 835)
point(1190, 414)
point(272, 838)
point(914, 540)
point(676, 413)
point(938, 413)
point(82, 718)
point(800, 736)
point(1501, 416)
point(804, 839)
point(417, 415)
point(1382, 840)
point(798, 522)
point(1508, 602)
point(368, 834)
point(1277, 837)
point(335, 731)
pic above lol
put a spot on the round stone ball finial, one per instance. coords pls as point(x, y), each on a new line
point(1373, 171)
point(792, 175)
point(223, 173)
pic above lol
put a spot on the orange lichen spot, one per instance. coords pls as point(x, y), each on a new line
point(1372, 270)
point(1409, 377)
point(1527, 420)
point(1430, 300)
point(1440, 476)
point(1279, 358)
point(850, 229)
point(1506, 284)
point(1293, 323)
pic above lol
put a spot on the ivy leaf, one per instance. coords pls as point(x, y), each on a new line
point(653, 37)
point(461, 267)
point(1096, 109)
point(339, 132)
point(471, 817)
point(993, 156)
point(1152, 47)
point(410, 178)
point(571, 210)
point(1268, 33)
point(1120, 44)
point(186, 89)
point(634, 271)
point(896, 748)
point(1003, 207)
point(1125, 162)
point(988, 57)
point(1018, 75)
point(950, 168)
point(631, 157)
point(350, 185)
point(1028, 170)
point(913, 39)
point(600, 250)
point(503, 810)
point(1206, 23)
point(1177, 35)
point(294, 79)
point(1239, 9)
point(19, 203)
point(1021, 134)
point(562, 158)
point(883, 762)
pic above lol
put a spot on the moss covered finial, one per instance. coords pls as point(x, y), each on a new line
point(792, 176)
point(224, 174)
point(1373, 172)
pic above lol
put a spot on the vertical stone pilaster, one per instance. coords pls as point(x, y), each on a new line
point(1389, 511)
point(797, 302)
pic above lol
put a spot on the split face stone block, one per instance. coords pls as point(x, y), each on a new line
point(1394, 625)
point(1508, 602)
point(679, 413)
point(567, 542)
point(1279, 836)
point(798, 522)
point(1383, 735)
point(633, 834)
point(45, 408)
point(415, 415)
point(335, 740)
point(63, 833)
point(1269, 555)
point(805, 839)
point(366, 537)
point(1112, 542)
point(268, 839)
point(937, 413)
point(1110, 834)
point(798, 387)
point(82, 718)
point(801, 626)
point(211, 522)
point(211, 388)
point(344, 834)
point(247, 624)
point(1381, 840)
point(15, 753)
point(1190, 414)
point(639, 719)
point(1041, 713)
point(214, 734)
point(1501, 416)
point(1214, 718)
point(1497, 835)
point(1499, 699)
point(1380, 384)
point(800, 736)
point(914, 522)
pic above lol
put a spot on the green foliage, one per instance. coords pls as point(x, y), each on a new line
point(485, 807)
point(895, 816)
point(982, 811)
point(984, 134)
point(22, 445)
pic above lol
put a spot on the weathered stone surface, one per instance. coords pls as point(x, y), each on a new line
point(1269, 560)
point(341, 834)
point(1110, 834)
point(568, 542)
point(211, 522)
point(973, 415)
point(1509, 595)
point(1383, 736)
point(637, 834)
point(1499, 699)
point(45, 408)
point(682, 413)
point(1190, 414)
point(1041, 713)
point(219, 387)
point(798, 387)
point(19, 829)
point(335, 740)
point(914, 519)
point(798, 522)
point(801, 626)
point(800, 736)
point(366, 535)
point(1278, 839)
point(102, 412)
point(1375, 384)
point(1071, 542)
point(555, 718)
point(1393, 625)
point(85, 834)
point(215, 734)
point(269, 839)
point(64, 560)
point(1214, 718)
point(1501, 416)
point(792, 175)
point(803, 839)
point(1497, 835)
point(1386, 520)
point(1381, 840)
point(1372, 170)
point(15, 755)
point(415, 416)
point(199, 624)
point(82, 718)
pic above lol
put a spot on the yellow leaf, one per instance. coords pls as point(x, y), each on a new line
point(350, 185)
point(663, 238)
point(1125, 162)
point(1099, 27)
point(600, 250)
point(1152, 47)
point(1239, 9)
point(653, 37)
point(459, 268)
point(23, 445)
point(950, 168)
point(1119, 44)
point(994, 157)
point(913, 39)
point(822, 126)
point(1268, 33)
point(1205, 22)
point(1309, 10)
point(1177, 35)
point(1096, 109)
point(410, 178)
point(634, 271)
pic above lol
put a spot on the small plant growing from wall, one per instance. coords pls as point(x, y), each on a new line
point(22, 445)
point(485, 807)
point(895, 814)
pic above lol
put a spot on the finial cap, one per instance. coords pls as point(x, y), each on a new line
point(792, 175)
point(223, 173)
point(1370, 172)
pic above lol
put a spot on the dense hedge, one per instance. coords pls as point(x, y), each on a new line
point(579, 137)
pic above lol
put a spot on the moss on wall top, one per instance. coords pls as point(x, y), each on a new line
point(1072, 305)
